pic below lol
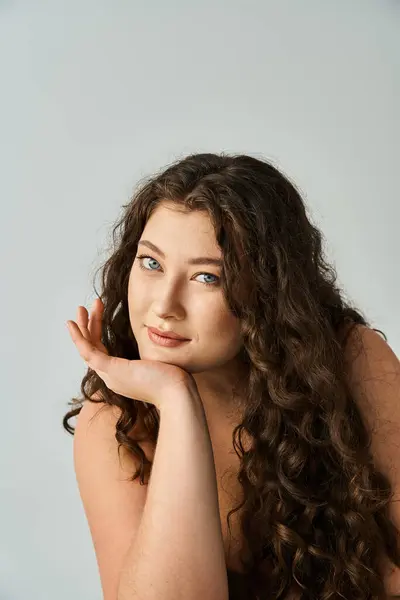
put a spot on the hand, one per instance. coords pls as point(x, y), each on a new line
point(137, 379)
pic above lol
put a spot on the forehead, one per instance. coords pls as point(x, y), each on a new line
point(188, 226)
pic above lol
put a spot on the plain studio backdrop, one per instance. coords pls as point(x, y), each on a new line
point(96, 94)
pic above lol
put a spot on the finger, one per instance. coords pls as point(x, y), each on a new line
point(112, 370)
point(95, 322)
point(82, 321)
point(92, 356)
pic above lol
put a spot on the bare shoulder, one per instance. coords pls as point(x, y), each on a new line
point(373, 376)
point(374, 380)
point(368, 352)
point(104, 418)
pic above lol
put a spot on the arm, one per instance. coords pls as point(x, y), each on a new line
point(178, 551)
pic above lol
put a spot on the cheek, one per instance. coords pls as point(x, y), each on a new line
point(222, 326)
point(135, 304)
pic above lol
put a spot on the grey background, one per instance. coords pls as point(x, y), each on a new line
point(95, 95)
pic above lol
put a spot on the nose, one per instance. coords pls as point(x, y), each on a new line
point(169, 300)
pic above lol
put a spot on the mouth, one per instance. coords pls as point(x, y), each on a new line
point(167, 334)
point(167, 342)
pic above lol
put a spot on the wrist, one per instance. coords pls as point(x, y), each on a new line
point(183, 395)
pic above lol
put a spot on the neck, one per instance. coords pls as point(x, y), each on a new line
point(222, 392)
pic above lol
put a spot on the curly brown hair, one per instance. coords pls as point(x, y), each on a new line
point(315, 508)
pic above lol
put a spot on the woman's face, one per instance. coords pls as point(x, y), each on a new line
point(171, 294)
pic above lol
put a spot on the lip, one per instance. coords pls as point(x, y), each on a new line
point(167, 334)
point(163, 341)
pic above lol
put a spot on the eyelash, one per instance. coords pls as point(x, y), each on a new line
point(214, 283)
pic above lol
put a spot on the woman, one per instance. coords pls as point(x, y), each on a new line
point(278, 384)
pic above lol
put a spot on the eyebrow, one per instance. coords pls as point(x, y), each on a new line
point(201, 260)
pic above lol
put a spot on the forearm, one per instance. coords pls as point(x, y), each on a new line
point(178, 551)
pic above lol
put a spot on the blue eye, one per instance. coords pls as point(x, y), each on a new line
point(209, 275)
point(141, 264)
point(143, 256)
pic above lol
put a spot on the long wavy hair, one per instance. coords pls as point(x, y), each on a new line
point(315, 510)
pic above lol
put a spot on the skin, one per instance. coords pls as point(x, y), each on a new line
point(170, 294)
point(173, 295)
